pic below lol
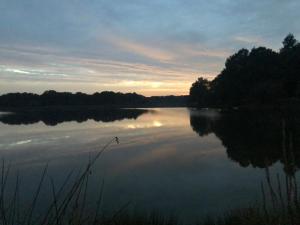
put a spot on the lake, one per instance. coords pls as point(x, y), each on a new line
point(186, 162)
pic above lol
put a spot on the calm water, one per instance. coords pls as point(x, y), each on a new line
point(181, 161)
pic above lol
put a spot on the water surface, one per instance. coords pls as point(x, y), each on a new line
point(178, 161)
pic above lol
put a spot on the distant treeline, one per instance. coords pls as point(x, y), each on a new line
point(258, 76)
point(106, 98)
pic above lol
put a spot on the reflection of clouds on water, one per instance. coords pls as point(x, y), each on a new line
point(33, 141)
point(158, 118)
point(15, 144)
point(21, 142)
point(170, 149)
point(145, 125)
point(57, 138)
point(157, 124)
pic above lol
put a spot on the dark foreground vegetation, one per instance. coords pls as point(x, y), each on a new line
point(106, 98)
point(258, 76)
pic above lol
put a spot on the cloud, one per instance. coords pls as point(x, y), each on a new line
point(249, 40)
point(71, 73)
point(140, 49)
point(15, 71)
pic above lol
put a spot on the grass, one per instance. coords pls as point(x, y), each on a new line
point(68, 205)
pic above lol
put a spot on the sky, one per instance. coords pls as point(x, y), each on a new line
point(157, 47)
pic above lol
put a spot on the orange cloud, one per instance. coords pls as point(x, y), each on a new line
point(49, 69)
point(140, 49)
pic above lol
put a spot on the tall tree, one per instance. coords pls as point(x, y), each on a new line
point(199, 92)
point(289, 42)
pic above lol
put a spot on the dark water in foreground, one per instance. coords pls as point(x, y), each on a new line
point(177, 161)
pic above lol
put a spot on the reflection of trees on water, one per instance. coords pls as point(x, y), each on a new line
point(54, 116)
point(259, 139)
point(255, 138)
point(201, 125)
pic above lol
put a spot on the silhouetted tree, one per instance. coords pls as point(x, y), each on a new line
point(289, 43)
point(290, 63)
point(250, 77)
point(199, 91)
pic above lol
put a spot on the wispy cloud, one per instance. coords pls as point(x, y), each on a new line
point(140, 49)
point(249, 40)
point(15, 71)
point(97, 74)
